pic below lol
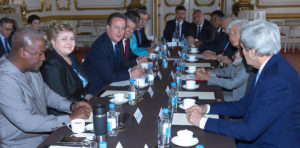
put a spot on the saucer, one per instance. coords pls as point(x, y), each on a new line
point(187, 71)
point(176, 141)
point(196, 86)
point(181, 106)
point(194, 51)
point(191, 60)
point(118, 102)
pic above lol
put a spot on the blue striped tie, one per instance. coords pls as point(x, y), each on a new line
point(6, 46)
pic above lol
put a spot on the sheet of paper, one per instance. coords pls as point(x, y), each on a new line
point(146, 146)
point(199, 56)
point(120, 83)
point(61, 146)
point(180, 118)
point(173, 75)
point(201, 95)
point(138, 115)
point(150, 91)
point(198, 64)
point(160, 114)
point(189, 76)
point(112, 92)
point(172, 44)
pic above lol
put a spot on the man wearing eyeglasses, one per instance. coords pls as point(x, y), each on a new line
point(6, 28)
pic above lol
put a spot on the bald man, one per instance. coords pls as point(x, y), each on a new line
point(25, 97)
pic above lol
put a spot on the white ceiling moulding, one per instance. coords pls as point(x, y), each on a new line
point(100, 4)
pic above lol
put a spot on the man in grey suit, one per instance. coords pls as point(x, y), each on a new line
point(24, 121)
point(234, 77)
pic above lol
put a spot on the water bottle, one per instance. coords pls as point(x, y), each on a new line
point(173, 98)
point(164, 130)
point(199, 146)
point(178, 77)
point(182, 38)
point(132, 93)
point(181, 62)
point(112, 121)
point(174, 38)
point(159, 55)
point(150, 75)
point(103, 144)
point(164, 60)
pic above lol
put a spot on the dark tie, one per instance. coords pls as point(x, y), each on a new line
point(139, 36)
point(199, 32)
point(126, 49)
point(6, 46)
point(178, 29)
point(116, 53)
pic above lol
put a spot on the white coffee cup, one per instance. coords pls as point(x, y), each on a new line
point(119, 97)
point(144, 65)
point(194, 49)
point(185, 136)
point(187, 103)
point(192, 69)
point(152, 55)
point(156, 49)
point(141, 82)
point(192, 58)
point(190, 84)
point(77, 125)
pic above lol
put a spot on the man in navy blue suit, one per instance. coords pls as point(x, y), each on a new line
point(6, 28)
point(177, 25)
point(103, 63)
point(270, 111)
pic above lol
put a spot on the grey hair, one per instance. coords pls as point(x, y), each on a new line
point(262, 36)
point(239, 23)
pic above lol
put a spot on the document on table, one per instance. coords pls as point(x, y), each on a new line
point(180, 118)
point(62, 146)
point(199, 56)
point(112, 92)
point(198, 64)
point(201, 95)
point(120, 83)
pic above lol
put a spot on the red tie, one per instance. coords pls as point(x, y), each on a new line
point(178, 29)
point(126, 49)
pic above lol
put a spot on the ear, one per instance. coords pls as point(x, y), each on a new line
point(107, 27)
point(21, 52)
point(252, 52)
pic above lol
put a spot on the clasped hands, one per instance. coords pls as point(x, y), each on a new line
point(202, 74)
point(195, 113)
point(81, 110)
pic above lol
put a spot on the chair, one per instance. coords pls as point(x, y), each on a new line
point(84, 33)
point(295, 33)
point(285, 36)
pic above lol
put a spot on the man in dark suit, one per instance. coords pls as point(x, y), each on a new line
point(6, 28)
point(103, 62)
point(140, 34)
point(177, 25)
point(200, 31)
point(270, 111)
point(130, 59)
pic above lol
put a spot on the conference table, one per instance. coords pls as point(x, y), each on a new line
point(137, 135)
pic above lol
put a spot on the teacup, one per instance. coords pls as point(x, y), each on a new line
point(192, 58)
point(187, 103)
point(144, 65)
point(156, 49)
point(194, 49)
point(190, 84)
point(140, 82)
point(119, 97)
point(185, 136)
point(152, 55)
point(77, 125)
point(192, 69)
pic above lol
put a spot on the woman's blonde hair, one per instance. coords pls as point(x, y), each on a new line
point(56, 27)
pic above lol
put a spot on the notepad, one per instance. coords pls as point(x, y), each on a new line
point(180, 118)
point(112, 92)
point(120, 83)
point(201, 95)
point(198, 64)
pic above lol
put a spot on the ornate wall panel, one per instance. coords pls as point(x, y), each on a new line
point(173, 3)
point(100, 4)
point(34, 5)
point(204, 2)
point(48, 5)
point(63, 4)
point(277, 3)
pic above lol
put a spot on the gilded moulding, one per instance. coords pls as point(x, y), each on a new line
point(282, 15)
point(63, 8)
point(166, 16)
point(258, 5)
point(209, 4)
point(7, 10)
point(33, 10)
point(73, 17)
point(49, 4)
point(174, 5)
point(101, 8)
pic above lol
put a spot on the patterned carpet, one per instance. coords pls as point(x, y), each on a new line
point(294, 59)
